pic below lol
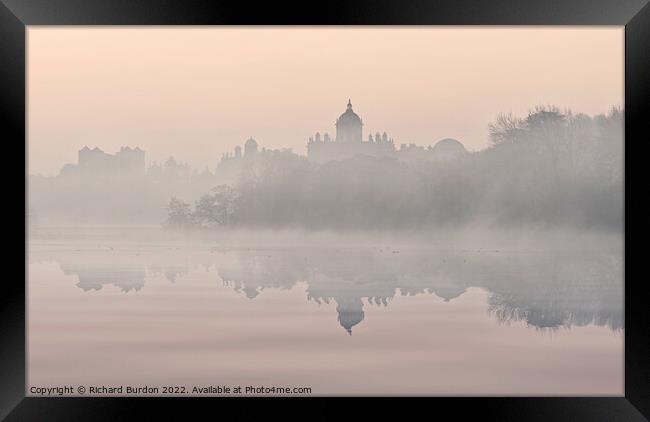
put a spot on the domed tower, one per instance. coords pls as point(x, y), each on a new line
point(348, 126)
point(250, 147)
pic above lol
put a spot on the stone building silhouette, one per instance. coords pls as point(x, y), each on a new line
point(348, 141)
point(127, 162)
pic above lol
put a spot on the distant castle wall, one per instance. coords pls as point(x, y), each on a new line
point(127, 162)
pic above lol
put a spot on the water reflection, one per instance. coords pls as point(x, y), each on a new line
point(545, 290)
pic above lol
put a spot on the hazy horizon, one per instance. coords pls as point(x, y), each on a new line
point(195, 93)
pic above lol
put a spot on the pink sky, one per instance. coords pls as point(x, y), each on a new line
point(196, 92)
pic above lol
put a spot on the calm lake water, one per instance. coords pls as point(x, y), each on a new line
point(144, 308)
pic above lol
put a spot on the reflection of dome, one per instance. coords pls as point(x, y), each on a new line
point(448, 293)
point(349, 319)
point(251, 292)
point(350, 312)
point(448, 147)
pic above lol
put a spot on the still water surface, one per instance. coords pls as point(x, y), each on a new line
point(340, 318)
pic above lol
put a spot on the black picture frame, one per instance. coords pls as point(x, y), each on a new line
point(15, 15)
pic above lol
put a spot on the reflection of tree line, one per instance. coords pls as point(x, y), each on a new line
point(126, 274)
point(95, 276)
point(579, 293)
point(543, 290)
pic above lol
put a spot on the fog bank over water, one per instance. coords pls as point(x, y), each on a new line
point(476, 237)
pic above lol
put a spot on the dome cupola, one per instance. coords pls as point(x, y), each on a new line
point(348, 126)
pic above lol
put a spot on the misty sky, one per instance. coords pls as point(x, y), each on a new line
point(196, 92)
